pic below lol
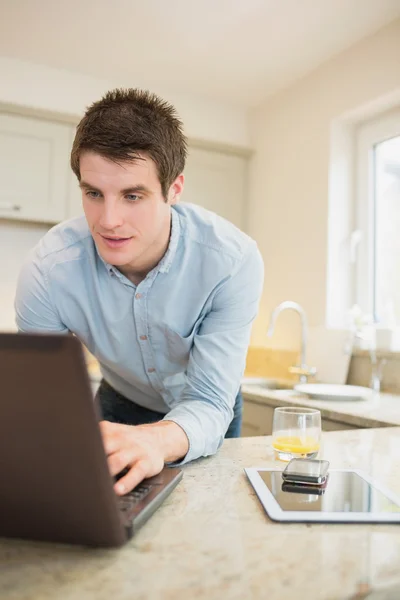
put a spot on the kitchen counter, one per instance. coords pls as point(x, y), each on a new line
point(211, 540)
point(380, 410)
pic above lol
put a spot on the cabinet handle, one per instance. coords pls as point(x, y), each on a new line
point(9, 206)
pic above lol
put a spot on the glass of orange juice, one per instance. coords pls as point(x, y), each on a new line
point(296, 432)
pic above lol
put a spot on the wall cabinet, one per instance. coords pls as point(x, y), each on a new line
point(37, 184)
point(74, 206)
point(34, 168)
point(74, 194)
point(213, 180)
point(217, 181)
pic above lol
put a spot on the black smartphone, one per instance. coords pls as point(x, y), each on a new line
point(303, 488)
point(306, 470)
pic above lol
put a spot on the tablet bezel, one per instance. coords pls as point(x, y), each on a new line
point(275, 512)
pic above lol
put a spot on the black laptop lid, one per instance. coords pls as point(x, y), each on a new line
point(55, 480)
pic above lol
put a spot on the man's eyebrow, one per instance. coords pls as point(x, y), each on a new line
point(84, 185)
point(134, 189)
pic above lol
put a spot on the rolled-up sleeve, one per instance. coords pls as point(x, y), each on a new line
point(218, 357)
point(34, 310)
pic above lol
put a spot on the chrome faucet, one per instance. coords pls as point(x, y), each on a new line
point(377, 364)
point(302, 370)
point(376, 370)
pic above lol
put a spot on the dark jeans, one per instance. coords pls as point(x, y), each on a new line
point(118, 409)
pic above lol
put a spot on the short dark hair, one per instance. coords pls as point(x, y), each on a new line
point(128, 122)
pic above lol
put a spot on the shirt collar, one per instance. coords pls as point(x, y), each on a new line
point(166, 261)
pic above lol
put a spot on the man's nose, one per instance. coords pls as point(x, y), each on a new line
point(111, 217)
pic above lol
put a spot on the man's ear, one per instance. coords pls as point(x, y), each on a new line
point(176, 189)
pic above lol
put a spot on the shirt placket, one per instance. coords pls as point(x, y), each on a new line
point(140, 314)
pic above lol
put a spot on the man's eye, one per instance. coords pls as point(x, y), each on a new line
point(132, 197)
point(93, 194)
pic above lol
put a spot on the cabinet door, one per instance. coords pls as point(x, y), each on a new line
point(257, 419)
point(33, 169)
point(329, 425)
point(213, 180)
point(74, 201)
point(217, 182)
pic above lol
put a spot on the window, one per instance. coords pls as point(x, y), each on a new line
point(376, 239)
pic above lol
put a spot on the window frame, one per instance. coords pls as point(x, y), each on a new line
point(368, 136)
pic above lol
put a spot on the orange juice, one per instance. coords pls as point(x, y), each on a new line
point(296, 445)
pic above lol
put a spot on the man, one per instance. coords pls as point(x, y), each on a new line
point(162, 294)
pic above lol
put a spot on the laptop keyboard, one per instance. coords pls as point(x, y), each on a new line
point(129, 501)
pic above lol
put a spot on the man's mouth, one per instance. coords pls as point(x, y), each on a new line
point(115, 242)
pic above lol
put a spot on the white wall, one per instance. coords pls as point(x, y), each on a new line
point(66, 92)
point(289, 175)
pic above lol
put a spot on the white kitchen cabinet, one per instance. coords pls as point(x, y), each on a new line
point(213, 180)
point(216, 181)
point(74, 194)
point(34, 169)
point(257, 419)
point(74, 197)
point(330, 425)
point(37, 183)
point(74, 201)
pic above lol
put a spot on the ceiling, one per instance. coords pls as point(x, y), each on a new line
point(236, 51)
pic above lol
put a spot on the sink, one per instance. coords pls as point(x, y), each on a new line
point(331, 391)
point(267, 383)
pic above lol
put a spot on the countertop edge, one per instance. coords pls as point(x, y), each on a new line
point(277, 398)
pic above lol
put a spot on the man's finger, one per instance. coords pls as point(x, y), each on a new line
point(112, 440)
point(119, 460)
point(135, 475)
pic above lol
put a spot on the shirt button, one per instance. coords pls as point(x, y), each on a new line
point(143, 337)
point(151, 370)
point(138, 296)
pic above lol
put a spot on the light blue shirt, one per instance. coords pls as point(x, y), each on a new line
point(176, 342)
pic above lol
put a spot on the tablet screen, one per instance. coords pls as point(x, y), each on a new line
point(345, 491)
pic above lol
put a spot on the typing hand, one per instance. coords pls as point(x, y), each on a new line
point(132, 447)
point(142, 449)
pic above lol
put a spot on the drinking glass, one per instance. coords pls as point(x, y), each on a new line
point(296, 432)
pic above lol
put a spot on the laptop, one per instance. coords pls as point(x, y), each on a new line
point(56, 485)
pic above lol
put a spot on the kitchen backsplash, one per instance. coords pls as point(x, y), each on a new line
point(267, 362)
point(360, 371)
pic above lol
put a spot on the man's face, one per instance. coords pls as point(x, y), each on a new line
point(127, 214)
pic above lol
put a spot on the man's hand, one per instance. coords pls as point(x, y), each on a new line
point(143, 449)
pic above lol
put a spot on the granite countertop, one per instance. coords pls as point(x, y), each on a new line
point(211, 540)
point(379, 410)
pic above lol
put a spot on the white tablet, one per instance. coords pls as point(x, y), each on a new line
point(350, 496)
